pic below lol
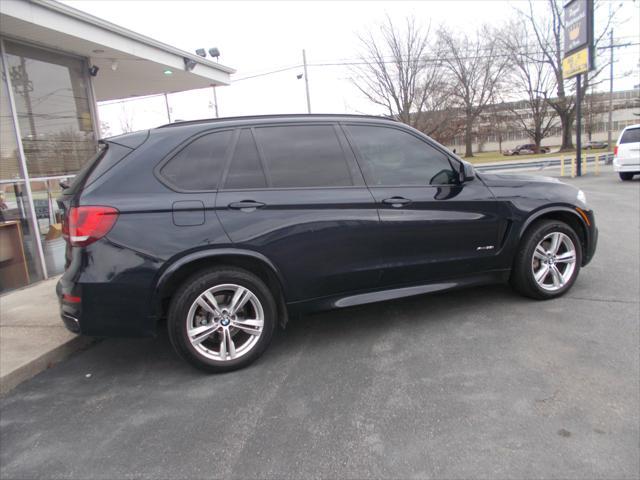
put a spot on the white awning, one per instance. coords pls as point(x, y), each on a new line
point(129, 64)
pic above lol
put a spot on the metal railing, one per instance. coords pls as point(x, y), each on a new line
point(566, 163)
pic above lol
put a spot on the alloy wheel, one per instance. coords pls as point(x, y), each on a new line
point(225, 322)
point(554, 261)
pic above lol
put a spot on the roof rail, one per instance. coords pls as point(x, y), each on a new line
point(284, 115)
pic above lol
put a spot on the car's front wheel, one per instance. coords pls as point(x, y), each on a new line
point(548, 262)
point(222, 319)
point(626, 176)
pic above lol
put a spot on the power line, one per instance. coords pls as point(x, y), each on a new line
point(433, 60)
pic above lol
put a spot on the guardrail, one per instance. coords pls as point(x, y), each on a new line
point(566, 163)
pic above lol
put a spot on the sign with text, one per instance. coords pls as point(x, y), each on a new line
point(578, 38)
point(575, 26)
point(576, 63)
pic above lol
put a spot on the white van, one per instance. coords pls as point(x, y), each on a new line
point(626, 160)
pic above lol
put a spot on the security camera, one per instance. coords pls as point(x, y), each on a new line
point(93, 70)
point(189, 64)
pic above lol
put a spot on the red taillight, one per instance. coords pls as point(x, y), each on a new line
point(615, 151)
point(71, 298)
point(85, 225)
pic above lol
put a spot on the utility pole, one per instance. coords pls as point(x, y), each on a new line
point(215, 99)
point(306, 80)
point(610, 125)
point(578, 125)
point(166, 103)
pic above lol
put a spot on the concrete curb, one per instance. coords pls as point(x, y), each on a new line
point(29, 370)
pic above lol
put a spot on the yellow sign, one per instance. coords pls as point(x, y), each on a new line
point(575, 63)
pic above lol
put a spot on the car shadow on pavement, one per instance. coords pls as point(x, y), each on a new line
point(128, 362)
point(355, 323)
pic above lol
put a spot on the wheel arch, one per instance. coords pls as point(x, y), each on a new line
point(564, 214)
point(179, 270)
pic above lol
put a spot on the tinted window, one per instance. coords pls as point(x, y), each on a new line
point(631, 135)
point(245, 170)
point(198, 165)
point(394, 157)
point(303, 156)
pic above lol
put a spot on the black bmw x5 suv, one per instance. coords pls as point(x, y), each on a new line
point(230, 227)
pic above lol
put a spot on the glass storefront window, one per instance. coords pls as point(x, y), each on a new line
point(49, 218)
point(52, 101)
point(19, 261)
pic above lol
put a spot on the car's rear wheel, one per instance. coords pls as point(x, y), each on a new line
point(626, 175)
point(222, 319)
point(548, 262)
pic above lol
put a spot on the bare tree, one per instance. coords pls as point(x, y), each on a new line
point(548, 29)
point(501, 121)
point(105, 129)
point(476, 64)
point(126, 119)
point(399, 72)
point(594, 106)
point(532, 80)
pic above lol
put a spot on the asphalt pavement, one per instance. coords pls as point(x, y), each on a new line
point(477, 383)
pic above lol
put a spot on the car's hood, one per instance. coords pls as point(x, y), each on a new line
point(511, 178)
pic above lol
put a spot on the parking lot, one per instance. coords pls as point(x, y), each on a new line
point(477, 383)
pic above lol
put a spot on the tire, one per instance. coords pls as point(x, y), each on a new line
point(625, 176)
point(190, 310)
point(526, 265)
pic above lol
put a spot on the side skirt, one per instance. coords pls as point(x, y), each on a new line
point(330, 303)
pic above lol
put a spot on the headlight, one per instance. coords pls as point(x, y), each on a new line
point(581, 197)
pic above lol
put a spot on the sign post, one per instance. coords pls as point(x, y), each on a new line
point(578, 57)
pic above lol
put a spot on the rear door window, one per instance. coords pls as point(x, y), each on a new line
point(198, 165)
point(245, 171)
point(631, 135)
point(303, 156)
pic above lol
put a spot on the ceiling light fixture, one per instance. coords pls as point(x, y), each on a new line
point(168, 72)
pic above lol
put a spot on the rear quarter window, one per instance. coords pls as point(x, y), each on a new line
point(108, 155)
point(198, 165)
point(631, 135)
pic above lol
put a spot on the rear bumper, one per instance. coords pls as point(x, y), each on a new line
point(626, 166)
point(104, 310)
point(69, 312)
point(96, 302)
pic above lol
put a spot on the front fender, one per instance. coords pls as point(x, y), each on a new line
point(547, 210)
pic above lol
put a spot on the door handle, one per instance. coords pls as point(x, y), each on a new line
point(396, 202)
point(246, 205)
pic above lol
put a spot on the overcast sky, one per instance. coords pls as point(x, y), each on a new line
point(263, 36)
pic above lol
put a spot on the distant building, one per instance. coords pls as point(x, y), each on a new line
point(595, 111)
